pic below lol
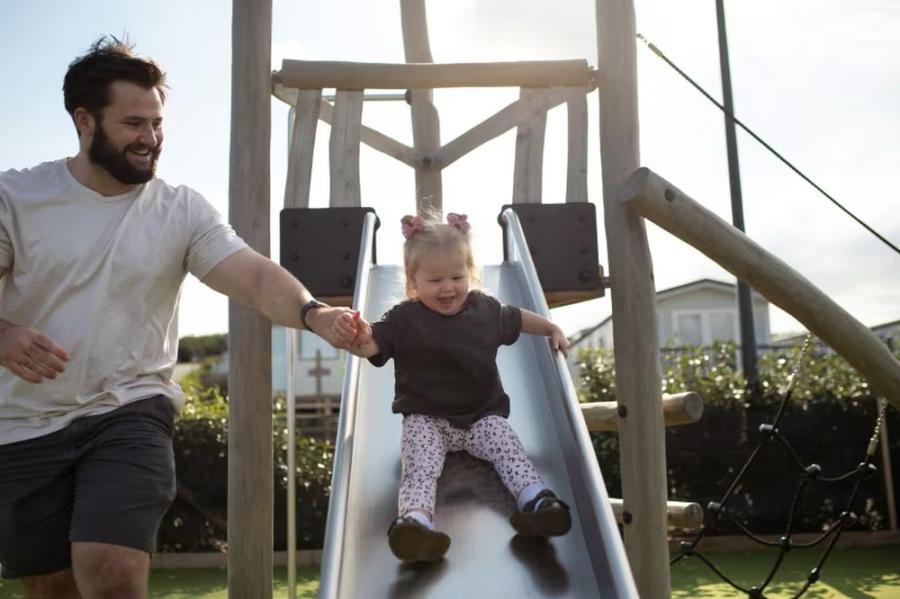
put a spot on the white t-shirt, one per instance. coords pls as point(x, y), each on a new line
point(101, 276)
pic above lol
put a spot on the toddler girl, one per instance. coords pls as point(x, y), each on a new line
point(444, 341)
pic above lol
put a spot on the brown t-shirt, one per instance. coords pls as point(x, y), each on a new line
point(446, 365)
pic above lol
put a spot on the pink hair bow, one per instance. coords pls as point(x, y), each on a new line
point(410, 225)
point(460, 221)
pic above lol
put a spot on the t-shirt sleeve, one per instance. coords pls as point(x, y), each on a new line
point(385, 334)
point(6, 247)
point(510, 324)
point(212, 239)
point(509, 319)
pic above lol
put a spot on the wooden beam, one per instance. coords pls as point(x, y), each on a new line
point(425, 123)
point(343, 149)
point(304, 74)
point(656, 199)
point(678, 409)
point(576, 169)
point(375, 139)
point(529, 165)
point(300, 154)
point(371, 137)
point(250, 455)
point(513, 115)
point(679, 514)
point(641, 434)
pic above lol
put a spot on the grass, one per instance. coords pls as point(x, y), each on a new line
point(207, 583)
point(864, 573)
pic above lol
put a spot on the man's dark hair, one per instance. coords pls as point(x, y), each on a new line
point(87, 81)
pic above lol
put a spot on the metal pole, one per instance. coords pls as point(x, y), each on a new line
point(290, 336)
point(745, 302)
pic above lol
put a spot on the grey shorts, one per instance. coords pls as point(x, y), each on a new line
point(103, 479)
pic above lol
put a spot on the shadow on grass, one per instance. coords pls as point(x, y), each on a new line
point(863, 572)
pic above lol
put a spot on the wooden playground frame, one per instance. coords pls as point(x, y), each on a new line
point(629, 195)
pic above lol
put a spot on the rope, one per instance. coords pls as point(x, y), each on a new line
point(811, 473)
point(731, 116)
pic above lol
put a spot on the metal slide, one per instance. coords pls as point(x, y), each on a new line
point(485, 559)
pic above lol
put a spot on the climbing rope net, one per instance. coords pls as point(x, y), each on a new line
point(719, 512)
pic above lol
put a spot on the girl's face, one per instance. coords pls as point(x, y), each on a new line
point(442, 282)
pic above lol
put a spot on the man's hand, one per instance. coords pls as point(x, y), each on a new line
point(30, 355)
point(324, 323)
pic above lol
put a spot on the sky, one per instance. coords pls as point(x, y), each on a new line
point(818, 79)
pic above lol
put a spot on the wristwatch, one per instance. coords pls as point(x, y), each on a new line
point(312, 304)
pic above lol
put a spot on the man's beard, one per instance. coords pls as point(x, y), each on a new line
point(103, 153)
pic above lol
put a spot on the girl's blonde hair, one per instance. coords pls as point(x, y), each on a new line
point(428, 235)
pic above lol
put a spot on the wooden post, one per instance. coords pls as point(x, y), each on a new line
point(425, 123)
point(250, 475)
point(641, 432)
point(343, 149)
point(303, 142)
point(888, 476)
point(576, 170)
point(529, 166)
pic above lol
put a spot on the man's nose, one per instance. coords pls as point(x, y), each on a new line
point(150, 136)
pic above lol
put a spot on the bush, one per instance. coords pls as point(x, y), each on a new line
point(828, 421)
point(196, 521)
point(196, 348)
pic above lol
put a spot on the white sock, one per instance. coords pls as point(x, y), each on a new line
point(529, 493)
point(420, 517)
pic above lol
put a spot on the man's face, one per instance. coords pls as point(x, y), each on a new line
point(127, 135)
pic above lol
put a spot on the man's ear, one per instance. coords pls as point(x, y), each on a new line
point(84, 122)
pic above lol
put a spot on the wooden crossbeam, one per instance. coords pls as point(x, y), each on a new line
point(680, 514)
point(513, 115)
point(305, 74)
point(657, 200)
point(678, 408)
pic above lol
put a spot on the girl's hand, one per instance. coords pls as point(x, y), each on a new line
point(558, 340)
point(363, 331)
point(345, 328)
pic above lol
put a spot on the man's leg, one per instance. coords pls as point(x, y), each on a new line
point(59, 585)
point(124, 483)
point(36, 488)
point(103, 570)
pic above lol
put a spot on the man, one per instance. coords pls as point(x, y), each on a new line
point(93, 252)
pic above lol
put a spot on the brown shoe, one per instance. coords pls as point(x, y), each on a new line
point(412, 541)
point(544, 516)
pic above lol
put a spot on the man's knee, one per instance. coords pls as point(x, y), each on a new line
point(103, 570)
point(59, 585)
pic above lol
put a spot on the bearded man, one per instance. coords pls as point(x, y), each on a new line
point(93, 253)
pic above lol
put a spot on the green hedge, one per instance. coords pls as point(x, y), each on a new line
point(196, 520)
point(828, 421)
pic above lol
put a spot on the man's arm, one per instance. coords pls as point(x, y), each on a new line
point(253, 280)
point(27, 353)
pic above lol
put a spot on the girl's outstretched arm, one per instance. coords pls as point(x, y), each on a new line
point(535, 324)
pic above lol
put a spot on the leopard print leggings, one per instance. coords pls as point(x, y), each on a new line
point(427, 440)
